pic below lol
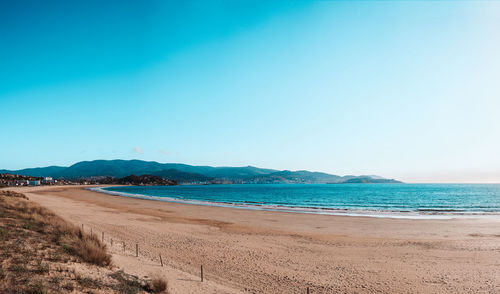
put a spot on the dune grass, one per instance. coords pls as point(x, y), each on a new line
point(38, 248)
point(39, 219)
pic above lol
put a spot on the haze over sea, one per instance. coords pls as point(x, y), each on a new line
point(393, 200)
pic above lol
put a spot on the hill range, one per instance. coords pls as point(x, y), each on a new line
point(183, 173)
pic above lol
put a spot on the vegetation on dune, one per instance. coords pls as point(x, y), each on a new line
point(38, 219)
point(38, 250)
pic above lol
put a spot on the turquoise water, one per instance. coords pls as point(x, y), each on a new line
point(413, 199)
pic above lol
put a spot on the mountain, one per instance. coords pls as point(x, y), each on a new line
point(147, 180)
point(301, 176)
point(238, 172)
point(370, 180)
point(110, 168)
point(182, 177)
point(184, 173)
point(36, 172)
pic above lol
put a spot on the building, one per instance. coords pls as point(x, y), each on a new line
point(34, 183)
point(48, 180)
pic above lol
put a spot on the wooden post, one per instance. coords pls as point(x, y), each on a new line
point(307, 290)
point(161, 261)
point(136, 250)
point(202, 273)
point(102, 236)
point(123, 246)
point(91, 231)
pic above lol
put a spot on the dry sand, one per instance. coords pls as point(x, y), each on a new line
point(244, 251)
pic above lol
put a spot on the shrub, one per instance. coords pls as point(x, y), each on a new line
point(159, 285)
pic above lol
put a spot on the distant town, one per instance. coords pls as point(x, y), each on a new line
point(14, 180)
point(11, 180)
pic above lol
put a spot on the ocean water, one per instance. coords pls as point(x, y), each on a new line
point(386, 200)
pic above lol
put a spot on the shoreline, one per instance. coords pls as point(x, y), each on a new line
point(430, 214)
point(256, 251)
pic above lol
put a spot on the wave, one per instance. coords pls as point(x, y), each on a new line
point(397, 214)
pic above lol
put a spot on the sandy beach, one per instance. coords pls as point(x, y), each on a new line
point(244, 251)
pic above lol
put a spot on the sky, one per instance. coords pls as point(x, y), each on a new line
point(402, 89)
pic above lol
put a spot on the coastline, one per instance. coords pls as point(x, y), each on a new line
point(430, 214)
point(257, 251)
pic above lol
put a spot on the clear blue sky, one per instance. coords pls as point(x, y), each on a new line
point(409, 90)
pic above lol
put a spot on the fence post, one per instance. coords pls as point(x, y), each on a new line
point(161, 261)
point(201, 273)
point(307, 290)
point(102, 236)
point(91, 231)
point(123, 246)
point(136, 250)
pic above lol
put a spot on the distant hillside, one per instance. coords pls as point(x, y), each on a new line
point(237, 172)
point(183, 173)
point(36, 172)
point(148, 180)
point(369, 180)
point(110, 168)
point(302, 176)
point(182, 177)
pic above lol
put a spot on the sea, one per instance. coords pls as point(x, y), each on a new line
point(371, 200)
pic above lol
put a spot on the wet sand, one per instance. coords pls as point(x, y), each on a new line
point(245, 251)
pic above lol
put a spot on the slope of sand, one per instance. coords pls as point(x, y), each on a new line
point(244, 251)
